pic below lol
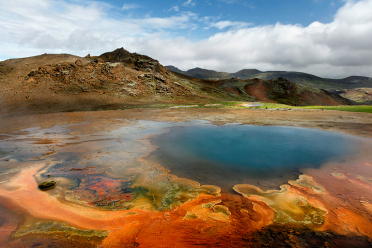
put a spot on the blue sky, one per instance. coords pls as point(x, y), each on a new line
point(330, 38)
point(258, 12)
point(240, 13)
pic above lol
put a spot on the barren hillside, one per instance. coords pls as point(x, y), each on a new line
point(120, 79)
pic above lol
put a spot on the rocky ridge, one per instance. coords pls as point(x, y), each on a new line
point(112, 78)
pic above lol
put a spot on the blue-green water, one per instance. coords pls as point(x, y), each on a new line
point(266, 156)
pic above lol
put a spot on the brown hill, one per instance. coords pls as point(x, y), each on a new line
point(280, 91)
point(286, 92)
point(359, 95)
point(102, 77)
point(120, 79)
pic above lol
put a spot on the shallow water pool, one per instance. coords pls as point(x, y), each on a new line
point(266, 156)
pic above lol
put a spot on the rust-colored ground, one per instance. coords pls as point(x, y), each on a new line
point(258, 90)
point(326, 207)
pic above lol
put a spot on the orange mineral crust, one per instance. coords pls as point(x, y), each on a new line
point(109, 193)
point(348, 196)
point(207, 218)
point(337, 202)
point(228, 220)
point(204, 221)
point(23, 192)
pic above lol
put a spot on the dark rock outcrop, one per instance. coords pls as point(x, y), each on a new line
point(138, 61)
point(44, 186)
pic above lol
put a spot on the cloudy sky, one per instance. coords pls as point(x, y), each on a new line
point(329, 38)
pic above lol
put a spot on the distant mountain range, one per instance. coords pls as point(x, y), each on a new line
point(351, 82)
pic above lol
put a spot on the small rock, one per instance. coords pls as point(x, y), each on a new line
point(32, 73)
point(78, 62)
point(44, 186)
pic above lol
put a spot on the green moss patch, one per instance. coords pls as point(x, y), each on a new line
point(57, 228)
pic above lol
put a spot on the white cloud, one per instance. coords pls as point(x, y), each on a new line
point(229, 24)
point(175, 8)
point(246, 4)
point(228, 1)
point(182, 21)
point(189, 3)
point(340, 48)
point(59, 26)
point(337, 49)
point(128, 6)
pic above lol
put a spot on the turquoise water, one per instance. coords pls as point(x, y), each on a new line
point(266, 156)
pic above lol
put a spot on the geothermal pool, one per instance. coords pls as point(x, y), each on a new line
point(145, 183)
point(266, 156)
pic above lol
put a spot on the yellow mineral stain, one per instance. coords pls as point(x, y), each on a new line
point(338, 175)
point(289, 204)
point(365, 179)
point(307, 182)
point(221, 209)
point(367, 205)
